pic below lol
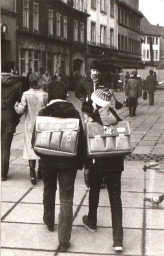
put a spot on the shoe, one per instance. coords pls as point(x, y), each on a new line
point(89, 226)
point(4, 178)
point(118, 247)
point(49, 226)
point(63, 246)
point(33, 176)
point(39, 174)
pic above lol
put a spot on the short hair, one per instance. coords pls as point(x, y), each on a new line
point(151, 72)
point(95, 65)
point(57, 91)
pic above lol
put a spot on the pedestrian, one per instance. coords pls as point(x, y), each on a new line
point(46, 79)
point(62, 167)
point(86, 86)
point(115, 79)
point(109, 168)
point(31, 102)
point(29, 73)
point(151, 83)
point(11, 92)
point(133, 91)
point(25, 82)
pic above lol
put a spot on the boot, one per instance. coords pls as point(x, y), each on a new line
point(32, 171)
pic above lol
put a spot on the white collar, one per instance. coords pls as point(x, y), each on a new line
point(57, 100)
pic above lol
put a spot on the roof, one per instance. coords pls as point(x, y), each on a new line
point(160, 29)
point(128, 6)
point(147, 28)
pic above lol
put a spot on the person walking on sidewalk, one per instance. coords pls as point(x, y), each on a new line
point(109, 167)
point(151, 83)
point(32, 101)
point(62, 167)
point(133, 90)
point(11, 91)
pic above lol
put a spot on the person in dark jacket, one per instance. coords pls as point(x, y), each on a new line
point(89, 84)
point(133, 91)
point(11, 91)
point(108, 167)
point(151, 83)
point(63, 167)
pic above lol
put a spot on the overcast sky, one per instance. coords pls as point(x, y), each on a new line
point(153, 10)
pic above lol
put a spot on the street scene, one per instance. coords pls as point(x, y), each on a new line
point(82, 128)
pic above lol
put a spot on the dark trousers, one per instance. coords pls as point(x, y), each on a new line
point(66, 191)
point(151, 98)
point(6, 140)
point(113, 181)
point(133, 102)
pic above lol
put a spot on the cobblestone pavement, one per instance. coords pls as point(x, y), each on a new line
point(22, 228)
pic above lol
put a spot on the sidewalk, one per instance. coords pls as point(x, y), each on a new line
point(23, 231)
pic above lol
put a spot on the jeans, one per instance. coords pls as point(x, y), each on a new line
point(113, 181)
point(151, 98)
point(66, 192)
point(6, 140)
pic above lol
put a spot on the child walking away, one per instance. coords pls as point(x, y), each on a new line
point(32, 101)
point(109, 167)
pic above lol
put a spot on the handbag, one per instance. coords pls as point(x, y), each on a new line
point(144, 95)
point(56, 136)
point(109, 140)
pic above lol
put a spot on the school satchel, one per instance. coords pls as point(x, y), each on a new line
point(108, 141)
point(56, 136)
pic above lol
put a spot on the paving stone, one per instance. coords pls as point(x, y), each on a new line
point(5, 207)
point(154, 243)
point(14, 252)
point(145, 149)
point(155, 217)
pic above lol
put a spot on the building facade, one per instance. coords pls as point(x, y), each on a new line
point(129, 37)
point(150, 44)
point(50, 34)
point(160, 30)
point(8, 34)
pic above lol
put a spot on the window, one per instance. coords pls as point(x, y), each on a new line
point(112, 8)
point(148, 54)
point(103, 34)
point(36, 60)
point(122, 22)
point(144, 54)
point(82, 32)
point(119, 41)
point(50, 21)
point(93, 32)
point(26, 14)
point(156, 55)
point(81, 5)
point(119, 15)
point(122, 43)
point(93, 4)
point(103, 6)
point(111, 37)
point(156, 40)
point(126, 44)
point(58, 24)
point(75, 37)
point(22, 60)
point(35, 16)
point(152, 40)
point(148, 40)
point(65, 27)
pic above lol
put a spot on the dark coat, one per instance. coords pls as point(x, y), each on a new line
point(133, 88)
point(64, 109)
point(11, 92)
point(151, 83)
point(86, 88)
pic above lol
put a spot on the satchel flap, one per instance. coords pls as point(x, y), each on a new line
point(97, 130)
point(46, 123)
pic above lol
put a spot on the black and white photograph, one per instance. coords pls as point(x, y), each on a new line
point(82, 128)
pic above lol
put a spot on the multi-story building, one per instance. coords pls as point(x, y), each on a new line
point(8, 34)
point(50, 34)
point(129, 37)
point(160, 30)
point(150, 44)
